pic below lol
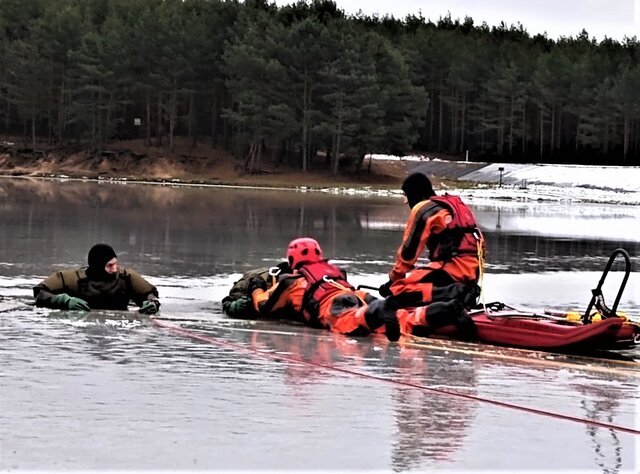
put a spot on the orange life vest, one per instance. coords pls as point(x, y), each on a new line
point(461, 235)
point(324, 279)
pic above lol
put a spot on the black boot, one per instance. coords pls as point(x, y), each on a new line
point(392, 325)
point(467, 330)
point(381, 312)
point(473, 293)
point(452, 312)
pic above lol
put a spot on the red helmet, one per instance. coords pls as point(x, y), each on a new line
point(303, 250)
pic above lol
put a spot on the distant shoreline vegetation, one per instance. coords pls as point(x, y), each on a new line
point(279, 84)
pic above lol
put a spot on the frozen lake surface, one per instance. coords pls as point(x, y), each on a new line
point(111, 391)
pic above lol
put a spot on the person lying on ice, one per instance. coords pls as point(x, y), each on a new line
point(447, 229)
point(320, 292)
point(421, 321)
point(102, 285)
point(342, 308)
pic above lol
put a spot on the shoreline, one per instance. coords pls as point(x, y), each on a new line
point(131, 161)
point(364, 189)
point(380, 175)
point(382, 179)
point(474, 192)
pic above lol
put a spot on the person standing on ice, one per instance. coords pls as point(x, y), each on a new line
point(320, 292)
point(447, 229)
point(101, 285)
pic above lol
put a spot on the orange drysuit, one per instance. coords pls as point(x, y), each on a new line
point(356, 312)
point(344, 311)
point(425, 227)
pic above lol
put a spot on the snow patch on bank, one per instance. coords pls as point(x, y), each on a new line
point(608, 178)
point(554, 183)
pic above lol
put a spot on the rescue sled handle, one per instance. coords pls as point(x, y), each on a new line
point(597, 298)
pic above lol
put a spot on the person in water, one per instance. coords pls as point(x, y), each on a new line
point(101, 285)
point(320, 292)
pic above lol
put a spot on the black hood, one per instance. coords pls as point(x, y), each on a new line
point(417, 188)
point(99, 255)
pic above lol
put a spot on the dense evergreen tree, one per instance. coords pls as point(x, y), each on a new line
point(305, 80)
point(303, 50)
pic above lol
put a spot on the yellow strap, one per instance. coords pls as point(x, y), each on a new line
point(481, 271)
point(595, 316)
point(342, 287)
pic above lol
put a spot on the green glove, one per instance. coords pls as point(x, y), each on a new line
point(149, 307)
point(239, 307)
point(64, 301)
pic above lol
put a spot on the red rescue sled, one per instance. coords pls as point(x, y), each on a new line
point(525, 330)
point(532, 334)
point(503, 325)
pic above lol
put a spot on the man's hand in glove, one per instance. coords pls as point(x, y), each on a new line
point(385, 289)
point(239, 307)
point(149, 307)
point(64, 301)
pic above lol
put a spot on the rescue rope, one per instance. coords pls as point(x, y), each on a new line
point(216, 341)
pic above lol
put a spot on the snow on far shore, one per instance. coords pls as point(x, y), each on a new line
point(558, 183)
point(612, 178)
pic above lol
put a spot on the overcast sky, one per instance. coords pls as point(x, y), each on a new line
point(611, 18)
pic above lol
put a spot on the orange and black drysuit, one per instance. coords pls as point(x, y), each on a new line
point(356, 312)
point(446, 228)
point(321, 293)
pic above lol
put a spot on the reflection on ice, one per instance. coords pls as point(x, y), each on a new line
point(112, 383)
point(212, 401)
point(583, 221)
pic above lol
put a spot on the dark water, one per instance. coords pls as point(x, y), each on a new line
point(108, 391)
point(166, 231)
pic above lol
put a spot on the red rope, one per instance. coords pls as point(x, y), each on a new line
point(211, 340)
